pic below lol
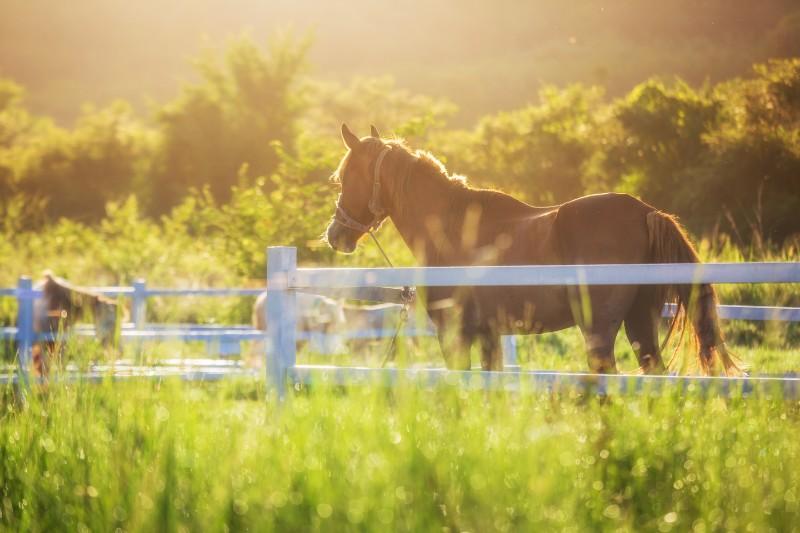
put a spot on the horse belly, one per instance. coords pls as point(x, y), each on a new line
point(525, 310)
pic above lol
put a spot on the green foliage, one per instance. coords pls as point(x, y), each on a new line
point(754, 158)
point(19, 134)
point(47, 172)
point(222, 129)
point(10, 95)
point(123, 247)
point(661, 134)
point(542, 152)
point(728, 155)
point(374, 101)
point(724, 156)
point(76, 172)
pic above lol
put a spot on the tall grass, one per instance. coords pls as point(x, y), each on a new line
point(169, 456)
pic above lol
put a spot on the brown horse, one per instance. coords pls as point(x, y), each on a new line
point(445, 222)
point(61, 306)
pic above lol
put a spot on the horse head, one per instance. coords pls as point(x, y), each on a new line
point(359, 209)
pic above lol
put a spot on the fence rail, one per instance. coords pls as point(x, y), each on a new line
point(545, 275)
point(240, 332)
point(537, 380)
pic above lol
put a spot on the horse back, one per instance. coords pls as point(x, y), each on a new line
point(604, 229)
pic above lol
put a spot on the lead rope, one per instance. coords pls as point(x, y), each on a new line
point(374, 238)
point(407, 295)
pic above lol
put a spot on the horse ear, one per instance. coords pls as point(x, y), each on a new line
point(349, 138)
point(374, 132)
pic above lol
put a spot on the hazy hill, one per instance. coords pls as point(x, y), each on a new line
point(484, 55)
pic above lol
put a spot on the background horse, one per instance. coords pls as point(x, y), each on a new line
point(445, 222)
point(328, 320)
point(315, 314)
point(62, 305)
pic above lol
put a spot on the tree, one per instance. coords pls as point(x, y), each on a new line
point(375, 101)
point(542, 152)
point(76, 172)
point(228, 121)
point(753, 167)
point(659, 140)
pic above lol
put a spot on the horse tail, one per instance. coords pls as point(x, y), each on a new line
point(696, 305)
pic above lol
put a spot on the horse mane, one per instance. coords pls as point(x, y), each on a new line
point(431, 167)
point(336, 177)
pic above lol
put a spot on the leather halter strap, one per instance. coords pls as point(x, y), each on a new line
point(341, 217)
point(378, 211)
point(375, 206)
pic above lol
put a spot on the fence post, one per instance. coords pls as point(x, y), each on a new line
point(139, 304)
point(509, 343)
point(25, 334)
point(281, 317)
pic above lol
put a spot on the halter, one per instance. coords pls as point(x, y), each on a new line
point(378, 211)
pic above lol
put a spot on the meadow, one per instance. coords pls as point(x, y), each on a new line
point(172, 456)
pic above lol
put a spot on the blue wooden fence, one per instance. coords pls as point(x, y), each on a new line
point(222, 340)
point(285, 279)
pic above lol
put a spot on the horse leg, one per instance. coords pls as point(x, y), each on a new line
point(454, 344)
point(599, 340)
point(37, 358)
point(599, 313)
point(641, 328)
point(452, 329)
point(42, 355)
point(455, 351)
point(491, 353)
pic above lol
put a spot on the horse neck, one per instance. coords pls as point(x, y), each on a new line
point(427, 213)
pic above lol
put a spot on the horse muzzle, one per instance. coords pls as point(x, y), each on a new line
point(341, 238)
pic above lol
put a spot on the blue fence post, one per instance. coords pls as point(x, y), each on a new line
point(25, 334)
point(139, 304)
point(281, 317)
point(509, 343)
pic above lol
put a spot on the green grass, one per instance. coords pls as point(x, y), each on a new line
point(172, 456)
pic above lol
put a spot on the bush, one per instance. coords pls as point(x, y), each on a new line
point(543, 152)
